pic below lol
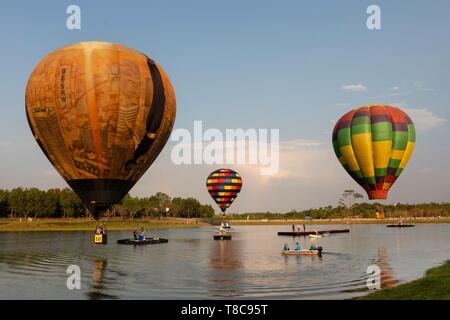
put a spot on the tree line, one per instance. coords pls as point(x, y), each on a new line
point(57, 203)
point(357, 211)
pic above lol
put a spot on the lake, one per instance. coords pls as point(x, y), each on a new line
point(194, 266)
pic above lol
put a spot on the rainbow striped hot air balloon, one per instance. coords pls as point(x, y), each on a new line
point(223, 186)
point(374, 144)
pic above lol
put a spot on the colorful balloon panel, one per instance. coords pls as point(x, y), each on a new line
point(101, 113)
point(223, 186)
point(374, 143)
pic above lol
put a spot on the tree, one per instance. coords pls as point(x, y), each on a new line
point(4, 203)
point(70, 204)
point(17, 202)
point(131, 205)
point(349, 198)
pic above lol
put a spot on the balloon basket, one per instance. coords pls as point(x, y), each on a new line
point(101, 239)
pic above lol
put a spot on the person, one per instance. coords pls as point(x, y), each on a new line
point(304, 228)
point(142, 234)
point(293, 228)
point(135, 236)
point(298, 247)
point(99, 230)
point(286, 247)
point(312, 246)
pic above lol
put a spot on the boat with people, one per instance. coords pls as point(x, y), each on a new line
point(225, 225)
point(138, 242)
point(223, 234)
point(303, 252)
point(313, 250)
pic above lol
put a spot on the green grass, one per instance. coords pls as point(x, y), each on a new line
point(81, 224)
point(434, 286)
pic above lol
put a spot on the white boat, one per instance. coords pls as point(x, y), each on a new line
point(315, 235)
point(225, 225)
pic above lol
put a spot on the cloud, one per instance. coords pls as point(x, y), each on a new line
point(5, 143)
point(424, 119)
point(387, 95)
point(395, 88)
point(421, 86)
point(298, 143)
point(302, 158)
point(354, 87)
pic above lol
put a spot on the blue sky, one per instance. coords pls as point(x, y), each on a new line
point(277, 64)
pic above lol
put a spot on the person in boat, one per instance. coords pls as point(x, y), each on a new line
point(142, 234)
point(312, 246)
point(135, 236)
point(298, 247)
point(286, 247)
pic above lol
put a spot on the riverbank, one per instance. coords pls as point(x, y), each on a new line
point(87, 224)
point(345, 221)
point(434, 286)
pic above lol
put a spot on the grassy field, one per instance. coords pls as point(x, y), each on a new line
point(16, 225)
point(434, 286)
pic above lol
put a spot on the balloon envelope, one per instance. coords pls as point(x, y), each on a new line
point(374, 143)
point(101, 113)
point(223, 186)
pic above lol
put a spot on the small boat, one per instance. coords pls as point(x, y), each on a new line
point(142, 242)
point(222, 237)
point(225, 225)
point(400, 225)
point(303, 252)
point(315, 236)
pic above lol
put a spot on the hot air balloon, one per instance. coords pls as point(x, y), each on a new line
point(374, 143)
point(223, 186)
point(101, 113)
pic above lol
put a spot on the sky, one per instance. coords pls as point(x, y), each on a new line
point(296, 66)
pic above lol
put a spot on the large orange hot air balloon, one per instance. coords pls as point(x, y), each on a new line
point(224, 185)
point(101, 113)
point(374, 144)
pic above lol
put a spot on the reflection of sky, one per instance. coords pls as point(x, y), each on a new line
point(260, 65)
point(193, 265)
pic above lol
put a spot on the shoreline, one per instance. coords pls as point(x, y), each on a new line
point(434, 285)
point(88, 224)
point(299, 222)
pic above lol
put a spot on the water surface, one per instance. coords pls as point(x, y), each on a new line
point(193, 266)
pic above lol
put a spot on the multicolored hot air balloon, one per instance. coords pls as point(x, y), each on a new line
point(223, 186)
point(374, 144)
point(101, 113)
